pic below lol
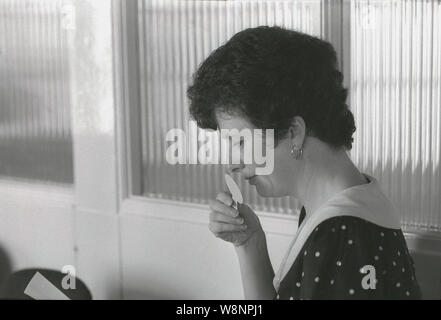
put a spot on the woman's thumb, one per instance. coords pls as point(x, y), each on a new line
point(245, 211)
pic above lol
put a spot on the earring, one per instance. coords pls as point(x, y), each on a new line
point(297, 153)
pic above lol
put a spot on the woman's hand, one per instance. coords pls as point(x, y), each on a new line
point(230, 225)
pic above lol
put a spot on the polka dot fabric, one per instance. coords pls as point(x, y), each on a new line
point(331, 264)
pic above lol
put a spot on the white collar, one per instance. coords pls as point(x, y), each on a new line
point(366, 201)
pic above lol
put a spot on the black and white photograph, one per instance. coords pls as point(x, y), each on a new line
point(238, 152)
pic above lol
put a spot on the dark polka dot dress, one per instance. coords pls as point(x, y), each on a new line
point(350, 258)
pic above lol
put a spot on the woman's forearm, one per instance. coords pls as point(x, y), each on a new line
point(256, 269)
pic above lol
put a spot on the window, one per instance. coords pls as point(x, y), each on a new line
point(35, 137)
point(174, 37)
point(390, 55)
point(396, 100)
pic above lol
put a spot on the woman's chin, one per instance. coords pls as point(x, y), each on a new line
point(263, 192)
point(268, 192)
point(261, 188)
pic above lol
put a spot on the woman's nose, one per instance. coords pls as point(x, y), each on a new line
point(235, 168)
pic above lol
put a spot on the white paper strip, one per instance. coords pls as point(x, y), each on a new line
point(39, 288)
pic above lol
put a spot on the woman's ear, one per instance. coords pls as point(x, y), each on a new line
point(297, 132)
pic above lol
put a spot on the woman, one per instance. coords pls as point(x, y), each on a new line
point(349, 244)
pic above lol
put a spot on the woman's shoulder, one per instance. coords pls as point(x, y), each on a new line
point(338, 252)
point(356, 238)
point(341, 226)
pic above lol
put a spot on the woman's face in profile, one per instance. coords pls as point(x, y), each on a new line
point(279, 183)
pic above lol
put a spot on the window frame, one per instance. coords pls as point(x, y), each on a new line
point(336, 15)
point(128, 124)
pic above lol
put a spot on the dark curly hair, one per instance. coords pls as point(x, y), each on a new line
point(270, 75)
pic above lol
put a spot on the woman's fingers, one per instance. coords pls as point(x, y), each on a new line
point(220, 217)
point(218, 227)
point(225, 222)
point(225, 198)
point(218, 206)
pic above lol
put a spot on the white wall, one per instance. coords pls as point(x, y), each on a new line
point(36, 227)
point(164, 252)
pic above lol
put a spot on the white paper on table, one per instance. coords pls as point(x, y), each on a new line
point(39, 288)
